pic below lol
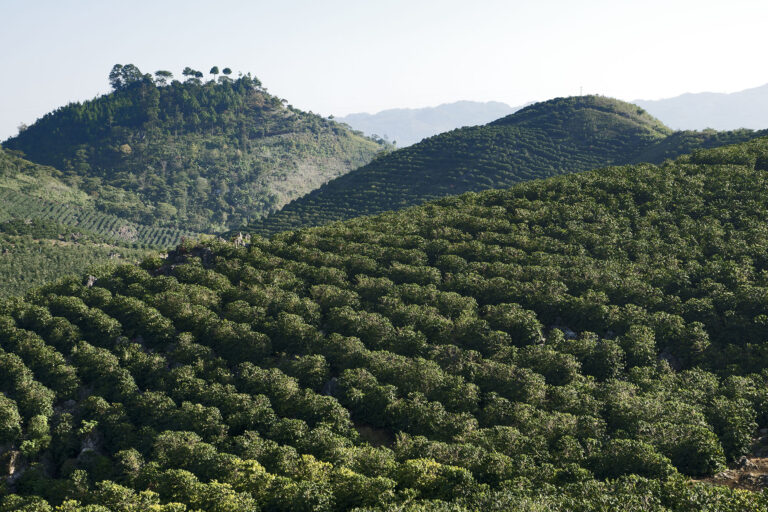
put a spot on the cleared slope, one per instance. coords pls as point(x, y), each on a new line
point(195, 156)
point(587, 342)
point(564, 135)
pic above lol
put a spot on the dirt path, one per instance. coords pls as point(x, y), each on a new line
point(749, 473)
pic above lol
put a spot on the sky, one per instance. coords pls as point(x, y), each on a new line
point(343, 56)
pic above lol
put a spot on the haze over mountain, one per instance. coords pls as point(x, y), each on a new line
point(407, 126)
point(559, 136)
point(594, 341)
point(720, 111)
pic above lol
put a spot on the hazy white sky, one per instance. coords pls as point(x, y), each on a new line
point(343, 56)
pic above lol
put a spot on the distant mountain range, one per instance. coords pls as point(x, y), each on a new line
point(559, 136)
point(407, 126)
point(743, 109)
point(689, 111)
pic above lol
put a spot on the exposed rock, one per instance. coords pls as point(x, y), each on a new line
point(11, 465)
point(749, 473)
point(746, 464)
point(241, 240)
point(91, 443)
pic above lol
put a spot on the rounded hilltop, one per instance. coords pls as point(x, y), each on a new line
point(599, 113)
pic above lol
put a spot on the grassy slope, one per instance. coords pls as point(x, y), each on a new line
point(27, 262)
point(61, 232)
point(546, 139)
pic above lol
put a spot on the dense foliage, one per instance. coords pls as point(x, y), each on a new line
point(192, 155)
point(554, 137)
point(585, 342)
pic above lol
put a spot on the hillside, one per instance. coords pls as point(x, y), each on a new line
point(546, 139)
point(407, 126)
point(594, 341)
point(194, 156)
point(49, 229)
point(720, 111)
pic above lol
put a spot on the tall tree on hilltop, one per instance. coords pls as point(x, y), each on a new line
point(162, 77)
point(122, 76)
point(225, 75)
point(214, 71)
point(189, 73)
point(115, 77)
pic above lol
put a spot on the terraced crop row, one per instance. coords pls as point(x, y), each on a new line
point(16, 204)
point(589, 342)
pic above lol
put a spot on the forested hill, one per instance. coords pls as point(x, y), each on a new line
point(198, 155)
point(587, 342)
point(559, 136)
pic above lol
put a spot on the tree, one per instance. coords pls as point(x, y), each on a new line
point(226, 71)
point(162, 77)
point(123, 76)
point(626, 456)
point(115, 77)
point(214, 71)
point(10, 420)
point(192, 75)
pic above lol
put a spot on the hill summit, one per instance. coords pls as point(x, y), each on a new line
point(198, 155)
point(587, 115)
point(554, 137)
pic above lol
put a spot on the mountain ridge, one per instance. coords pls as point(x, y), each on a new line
point(407, 126)
point(721, 111)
